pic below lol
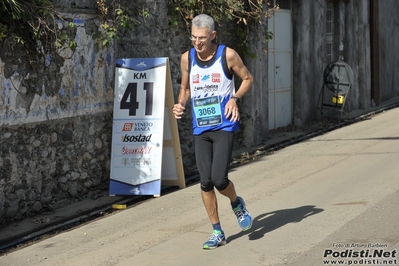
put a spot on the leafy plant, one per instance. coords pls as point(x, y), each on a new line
point(241, 12)
point(26, 21)
point(116, 18)
point(32, 22)
point(12, 7)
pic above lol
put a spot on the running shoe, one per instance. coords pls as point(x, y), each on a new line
point(215, 240)
point(244, 218)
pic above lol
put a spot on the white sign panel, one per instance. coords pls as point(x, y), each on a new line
point(137, 137)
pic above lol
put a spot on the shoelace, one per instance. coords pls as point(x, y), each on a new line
point(214, 237)
point(240, 215)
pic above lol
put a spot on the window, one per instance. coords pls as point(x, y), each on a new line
point(284, 4)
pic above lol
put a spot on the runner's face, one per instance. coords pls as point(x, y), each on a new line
point(201, 38)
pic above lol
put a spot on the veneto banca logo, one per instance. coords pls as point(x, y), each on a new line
point(127, 127)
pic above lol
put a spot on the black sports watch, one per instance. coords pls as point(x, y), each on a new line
point(236, 99)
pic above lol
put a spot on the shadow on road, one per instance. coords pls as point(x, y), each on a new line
point(270, 221)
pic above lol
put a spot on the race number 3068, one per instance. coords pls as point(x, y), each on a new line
point(207, 111)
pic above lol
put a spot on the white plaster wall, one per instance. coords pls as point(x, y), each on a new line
point(86, 86)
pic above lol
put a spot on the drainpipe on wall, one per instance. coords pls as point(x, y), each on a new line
point(375, 53)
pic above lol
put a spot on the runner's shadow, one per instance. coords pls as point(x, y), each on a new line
point(270, 221)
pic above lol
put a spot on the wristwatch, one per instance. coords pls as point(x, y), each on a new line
point(236, 99)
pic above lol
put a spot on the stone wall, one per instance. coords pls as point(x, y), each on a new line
point(56, 120)
point(48, 165)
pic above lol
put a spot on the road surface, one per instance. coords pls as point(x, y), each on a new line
point(334, 197)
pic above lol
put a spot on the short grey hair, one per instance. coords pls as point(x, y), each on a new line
point(203, 21)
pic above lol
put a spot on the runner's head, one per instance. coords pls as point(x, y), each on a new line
point(202, 32)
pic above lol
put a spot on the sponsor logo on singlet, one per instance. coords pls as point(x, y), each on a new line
point(195, 78)
point(207, 88)
point(216, 77)
point(206, 78)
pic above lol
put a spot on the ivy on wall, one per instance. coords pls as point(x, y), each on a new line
point(242, 13)
point(25, 21)
point(116, 18)
point(33, 22)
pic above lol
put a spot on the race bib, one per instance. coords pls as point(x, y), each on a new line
point(207, 111)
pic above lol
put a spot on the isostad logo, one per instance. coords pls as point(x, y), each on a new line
point(136, 138)
point(127, 127)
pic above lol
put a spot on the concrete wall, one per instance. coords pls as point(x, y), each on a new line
point(389, 47)
point(352, 27)
point(355, 26)
point(309, 51)
point(254, 107)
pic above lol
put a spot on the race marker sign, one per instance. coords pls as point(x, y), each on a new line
point(141, 121)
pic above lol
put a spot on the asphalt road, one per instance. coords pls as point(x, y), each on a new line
point(333, 197)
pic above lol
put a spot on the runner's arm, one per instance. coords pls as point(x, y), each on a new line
point(184, 94)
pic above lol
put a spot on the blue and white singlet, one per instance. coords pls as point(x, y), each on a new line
point(212, 86)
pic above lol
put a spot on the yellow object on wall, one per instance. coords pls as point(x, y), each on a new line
point(338, 99)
